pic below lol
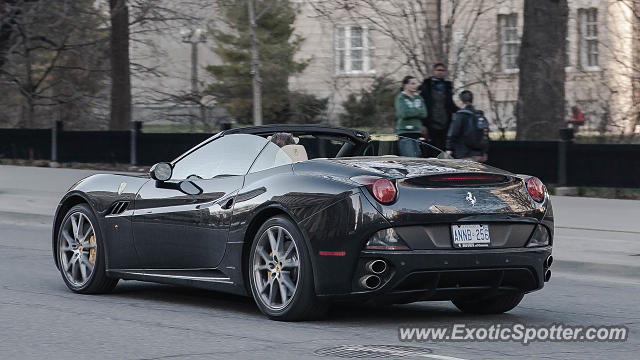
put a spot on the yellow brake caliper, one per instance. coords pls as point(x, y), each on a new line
point(269, 272)
point(92, 251)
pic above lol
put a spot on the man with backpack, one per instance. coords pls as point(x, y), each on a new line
point(468, 136)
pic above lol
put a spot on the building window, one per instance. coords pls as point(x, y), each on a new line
point(354, 50)
point(509, 41)
point(589, 37)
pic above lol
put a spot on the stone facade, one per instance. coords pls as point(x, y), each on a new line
point(600, 85)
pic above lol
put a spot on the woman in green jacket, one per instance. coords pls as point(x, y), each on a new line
point(411, 113)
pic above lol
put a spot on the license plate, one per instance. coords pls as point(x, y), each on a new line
point(470, 235)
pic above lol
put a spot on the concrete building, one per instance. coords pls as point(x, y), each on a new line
point(352, 42)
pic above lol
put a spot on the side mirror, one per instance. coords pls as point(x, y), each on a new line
point(161, 171)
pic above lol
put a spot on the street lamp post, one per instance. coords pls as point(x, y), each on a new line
point(194, 37)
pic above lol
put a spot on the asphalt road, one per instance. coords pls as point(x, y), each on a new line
point(597, 282)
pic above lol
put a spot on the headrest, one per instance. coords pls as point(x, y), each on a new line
point(296, 152)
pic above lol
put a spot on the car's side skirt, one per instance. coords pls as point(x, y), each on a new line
point(210, 279)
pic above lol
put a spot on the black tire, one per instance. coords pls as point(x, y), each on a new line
point(304, 304)
point(97, 282)
point(494, 305)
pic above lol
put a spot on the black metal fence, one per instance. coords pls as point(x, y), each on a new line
point(604, 165)
point(539, 158)
point(25, 143)
point(95, 146)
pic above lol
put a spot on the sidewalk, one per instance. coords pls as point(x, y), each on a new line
point(597, 235)
point(591, 235)
point(36, 190)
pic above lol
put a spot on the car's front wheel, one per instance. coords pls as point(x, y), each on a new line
point(497, 304)
point(280, 273)
point(80, 251)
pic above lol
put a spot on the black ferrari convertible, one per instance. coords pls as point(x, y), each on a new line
point(327, 215)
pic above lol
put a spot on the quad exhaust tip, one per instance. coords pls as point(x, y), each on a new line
point(548, 262)
point(370, 282)
point(547, 275)
point(377, 266)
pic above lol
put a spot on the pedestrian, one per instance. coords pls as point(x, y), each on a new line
point(411, 113)
point(468, 136)
point(438, 96)
point(577, 118)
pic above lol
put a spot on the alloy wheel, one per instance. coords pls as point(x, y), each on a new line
point(276, 267)
point(77, 249)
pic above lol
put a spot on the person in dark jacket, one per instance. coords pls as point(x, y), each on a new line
point(459, 128)
point(411, 113)
point(438, 96)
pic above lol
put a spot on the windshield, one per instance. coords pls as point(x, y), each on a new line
point(394, 145)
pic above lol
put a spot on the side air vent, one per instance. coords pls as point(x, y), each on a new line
point(462, 179)
point(118, 208)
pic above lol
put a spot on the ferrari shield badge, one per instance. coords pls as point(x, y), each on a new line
point(470, 198)
point(121, 188)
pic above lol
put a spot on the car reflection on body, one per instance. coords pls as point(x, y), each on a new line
point(335, 217)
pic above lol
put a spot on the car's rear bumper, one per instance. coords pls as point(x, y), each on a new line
point(448, 274)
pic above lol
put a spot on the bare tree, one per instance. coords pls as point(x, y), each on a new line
point(422, 30)
point(603, 66)
point(634, 7)
point(8, 13)
point(541, 105)
point(425, 32)
point(137, 21)
point(51, 53)
point(152, 23)
point(483, 72)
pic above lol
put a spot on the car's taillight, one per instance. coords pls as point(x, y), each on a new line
point(382, 189)
point(536, 188)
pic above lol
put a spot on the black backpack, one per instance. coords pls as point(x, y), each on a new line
point(476, 130)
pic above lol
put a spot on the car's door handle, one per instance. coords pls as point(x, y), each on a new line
point(228, 205)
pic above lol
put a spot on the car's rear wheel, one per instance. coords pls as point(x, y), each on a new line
point(80, 250)
point(493, 305)
point(280, 273)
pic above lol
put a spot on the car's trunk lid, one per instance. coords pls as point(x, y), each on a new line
point(402, 167)
point(449, 191)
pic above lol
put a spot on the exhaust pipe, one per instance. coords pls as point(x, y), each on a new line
point(547, 275)
point(376, 266)
point(370, 282)
point(548, 262)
